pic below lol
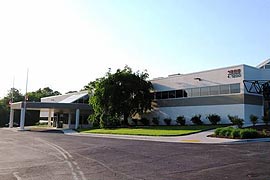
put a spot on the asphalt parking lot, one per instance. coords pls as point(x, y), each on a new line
point(53, 155)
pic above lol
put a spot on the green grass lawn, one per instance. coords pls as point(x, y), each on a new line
point(153, 130)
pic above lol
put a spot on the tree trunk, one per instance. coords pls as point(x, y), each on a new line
point(125, 122)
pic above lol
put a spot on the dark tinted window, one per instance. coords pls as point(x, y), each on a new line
point(172, 94)
point(158, 95)
point(235, 88)
point(165, 95)
point(224, 89)
point(179, 93)
point(204, 91)
point(214, 90)
point(195, 92)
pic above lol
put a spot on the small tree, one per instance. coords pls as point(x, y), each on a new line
point(196, 119)
point(181, 120)
point(213, 118)
point(155, 121)
point(253, 119)
point(235, 120)
point(167, 121)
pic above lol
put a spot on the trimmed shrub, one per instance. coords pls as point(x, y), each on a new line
point(167, 121)
point(253, 119)
point(235, 120)
point(196, 119)
point(155, 121)
point(145, 121)
point(181, 120)
point(248, 133)
point(235, 133)
point(213, 118)
point(217, 131)
point(226, 132)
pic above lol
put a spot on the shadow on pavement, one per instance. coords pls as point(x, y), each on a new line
point(43, 130)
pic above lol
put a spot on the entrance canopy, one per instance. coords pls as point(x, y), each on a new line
point(58, 106)
point(50, 105)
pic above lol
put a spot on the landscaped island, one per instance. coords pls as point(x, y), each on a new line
point(153, 130)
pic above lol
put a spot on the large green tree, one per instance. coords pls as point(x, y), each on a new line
point(121, 94)
point(40, 93)
point(13, 95)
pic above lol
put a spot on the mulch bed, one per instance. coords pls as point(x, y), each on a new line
point(261, 128)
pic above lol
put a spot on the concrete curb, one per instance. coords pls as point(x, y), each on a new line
point(198, 138)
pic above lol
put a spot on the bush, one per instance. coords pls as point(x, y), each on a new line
point(213, 118)
point(181, 120)
point(167, 121)
point(155, 121)
point(135, 121)
point(145, 121)
point(248, 133)
point(253, 119)
point(226, 132)
point(217, 131)
point(235, 120)
point(197, 119)
point(235, 133)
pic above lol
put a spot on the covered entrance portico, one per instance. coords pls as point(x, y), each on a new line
point(69, 109)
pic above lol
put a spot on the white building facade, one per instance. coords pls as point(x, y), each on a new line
point(219, 91)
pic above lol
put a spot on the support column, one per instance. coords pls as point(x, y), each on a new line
point(77, 118)
point(69, 120)
point(11, 118)
point(50, 118)
point(22, 119)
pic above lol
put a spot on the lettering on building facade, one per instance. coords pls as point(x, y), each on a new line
point(234, 73)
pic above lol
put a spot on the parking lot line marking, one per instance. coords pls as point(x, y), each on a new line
point(191, 140)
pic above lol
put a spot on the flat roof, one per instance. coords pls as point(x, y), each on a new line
point(51, 105)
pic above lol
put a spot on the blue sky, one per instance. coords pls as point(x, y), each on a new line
point(67, 43)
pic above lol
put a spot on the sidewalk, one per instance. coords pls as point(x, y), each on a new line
point(192, 138)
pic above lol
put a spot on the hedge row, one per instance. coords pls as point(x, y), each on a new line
point(231, 132)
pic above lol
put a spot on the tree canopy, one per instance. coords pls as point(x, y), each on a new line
point(15, 95)
point(40, 93)
point(120, 94)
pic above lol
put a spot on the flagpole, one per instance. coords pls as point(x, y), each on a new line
point(26, 84)
point(12, 92)
point(24, 105)
point(11, 113)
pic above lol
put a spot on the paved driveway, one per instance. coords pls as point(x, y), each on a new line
point(41, 155)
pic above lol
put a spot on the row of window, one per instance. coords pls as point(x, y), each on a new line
point(200, 91)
